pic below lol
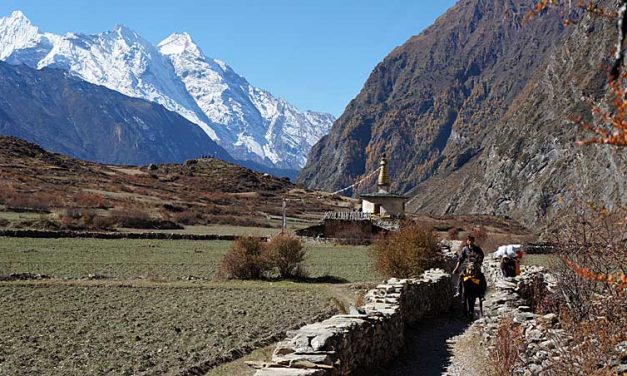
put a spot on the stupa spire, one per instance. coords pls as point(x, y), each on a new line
point(383, 182)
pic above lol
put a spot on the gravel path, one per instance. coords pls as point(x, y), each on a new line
point(441, 346)
point(467, 358)
point(427, 351)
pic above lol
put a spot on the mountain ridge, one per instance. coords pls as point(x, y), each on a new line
point(71, 116)
point(122, 60)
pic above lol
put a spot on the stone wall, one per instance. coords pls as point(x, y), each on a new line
point(544, 340)
point(371, 335)
point(514, 297)
point(111, 235)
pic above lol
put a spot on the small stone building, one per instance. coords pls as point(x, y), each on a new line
point(383, 203)
point(380, 212)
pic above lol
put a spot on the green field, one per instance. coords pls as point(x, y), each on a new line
point(61, 329)
point(547, 261)
point(145, 318)
point(160, 259)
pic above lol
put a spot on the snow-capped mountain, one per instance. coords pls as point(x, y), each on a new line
point(259, 123)
point(248, 122)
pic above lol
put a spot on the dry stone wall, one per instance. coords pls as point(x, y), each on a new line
point(112, 235)
point(371, 335)
point(544, 339)
point(514, 297)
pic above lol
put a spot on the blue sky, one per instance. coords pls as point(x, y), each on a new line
point(316, 54)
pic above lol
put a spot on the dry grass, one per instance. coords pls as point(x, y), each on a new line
point(508, 347)
point(211, 191)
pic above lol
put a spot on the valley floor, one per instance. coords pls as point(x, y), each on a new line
point(95, 306)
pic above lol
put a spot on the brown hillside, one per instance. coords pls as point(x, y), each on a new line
point(73, 194)
point(473, 114)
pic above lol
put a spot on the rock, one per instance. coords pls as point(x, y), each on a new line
point(534, 335)
point(535, 368)
point(522, 316)
point(290, 359)
point(505, 285)
point(321, 341)
point(550, 317)
point(289, 372)
point(352, 310)
point(96, 276)
point(548, 344)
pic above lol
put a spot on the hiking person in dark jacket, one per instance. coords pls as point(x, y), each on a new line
point(471, 253)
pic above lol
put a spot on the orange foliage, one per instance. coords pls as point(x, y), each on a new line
point(614, 128)
point(589, 6)
point(620, 280)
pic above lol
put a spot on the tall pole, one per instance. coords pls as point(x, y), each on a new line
point(284, 223)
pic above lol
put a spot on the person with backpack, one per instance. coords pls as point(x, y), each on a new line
point(471, 253)
point(510, 256)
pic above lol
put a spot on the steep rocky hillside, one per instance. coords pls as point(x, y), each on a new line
point(473, 114)
point(73, 117)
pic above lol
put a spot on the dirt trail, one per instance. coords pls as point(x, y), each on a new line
point(441, 346)
point(427, 352)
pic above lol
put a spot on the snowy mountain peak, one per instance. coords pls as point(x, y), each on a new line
point(129, 36)
point(18, 16)
point(16, 31)
point(250, 123)
point(179, 43)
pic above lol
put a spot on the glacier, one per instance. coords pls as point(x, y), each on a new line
point(250, 123)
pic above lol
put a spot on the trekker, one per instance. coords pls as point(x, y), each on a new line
point(510, 256)
point(471, 253)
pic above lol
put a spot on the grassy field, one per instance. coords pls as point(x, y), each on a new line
point(145, 319)
point(548, 261)
point(74, 329)
point(159, 259)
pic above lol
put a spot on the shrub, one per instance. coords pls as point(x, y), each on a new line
point(135, 218)
point(38, 202)
point(245, 260)
point(103, 223)
point(453, 233)
point(592, 288)
point(91, 200)
point(188, 217)
point(408, 252)
point(508, 347)
point(286, 254)
point(77, 219)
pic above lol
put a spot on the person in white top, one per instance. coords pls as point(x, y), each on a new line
point(509, 255)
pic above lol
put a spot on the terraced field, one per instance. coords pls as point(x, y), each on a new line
point(143, 315)
point(87, 329)
point(159, 259)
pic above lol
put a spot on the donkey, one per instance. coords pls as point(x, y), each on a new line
point(474, 287)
